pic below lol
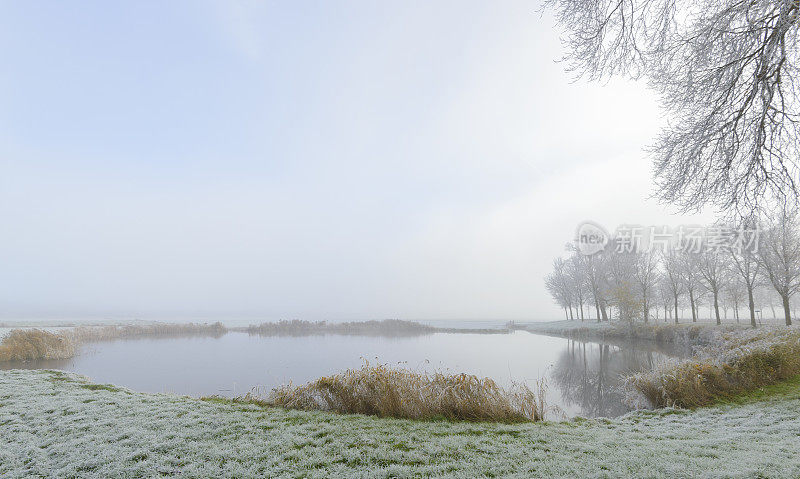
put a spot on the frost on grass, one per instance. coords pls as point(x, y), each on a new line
point(54, 425)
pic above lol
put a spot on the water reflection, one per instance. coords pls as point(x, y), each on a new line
point(581, 376)
point(588, 375)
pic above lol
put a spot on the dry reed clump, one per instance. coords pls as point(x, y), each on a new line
point(738, 363)
point(30, 344)
point(401, 393)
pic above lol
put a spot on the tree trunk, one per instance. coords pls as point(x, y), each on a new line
point(604, 311)
point(752, 306)
point(646, 309)
point(676, 309)
point(786, 310)
point(691, 306)
point(597, 309)
point(716, 307)
point(571, 315)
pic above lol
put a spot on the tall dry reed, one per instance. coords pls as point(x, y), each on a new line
point(402, 393)
point(30, 344)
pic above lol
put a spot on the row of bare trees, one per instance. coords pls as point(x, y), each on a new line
point(637, 285)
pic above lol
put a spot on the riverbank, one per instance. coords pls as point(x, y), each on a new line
point(684, 334)
point(726, 360)
point(57, 424)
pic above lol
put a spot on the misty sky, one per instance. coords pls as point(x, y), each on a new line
point(312, 160)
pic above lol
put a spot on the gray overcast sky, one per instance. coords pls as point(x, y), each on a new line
point(322, 160)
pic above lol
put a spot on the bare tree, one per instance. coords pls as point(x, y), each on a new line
point(726, 71)
point(665, 295)
point(622, 286)
point(746, 266)
point(735, 291)
point(645, 273)
point(673, 277)
point(576, 272)
point(691, 278)
point(596, 276)
point(557, 284)
point(779, 256)
point(712, 273)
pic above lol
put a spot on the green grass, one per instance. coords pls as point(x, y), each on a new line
point(101, 387)
point(784, 390)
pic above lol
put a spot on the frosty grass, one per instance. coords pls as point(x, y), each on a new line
point(54, 424)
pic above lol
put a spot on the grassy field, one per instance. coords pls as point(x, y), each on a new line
point(55, 424)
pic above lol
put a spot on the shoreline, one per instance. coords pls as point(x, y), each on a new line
point(686, 334)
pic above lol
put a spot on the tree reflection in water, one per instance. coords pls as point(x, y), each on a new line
point(588, 374)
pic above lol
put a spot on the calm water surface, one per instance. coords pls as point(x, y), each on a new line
point(581, 377)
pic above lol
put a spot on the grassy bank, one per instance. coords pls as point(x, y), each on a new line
point(736, 363)
point(690, 334)
point(54, 424)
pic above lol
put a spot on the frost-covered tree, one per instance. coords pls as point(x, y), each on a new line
point(727, 74)
point(779, 256)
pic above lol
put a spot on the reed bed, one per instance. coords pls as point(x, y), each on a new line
point(30, 344)
point(35, 344)
point(401, 393)
point(85, 334)
point(738, 362)
point(366, 328)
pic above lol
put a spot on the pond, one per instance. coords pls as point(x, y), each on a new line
point(581, 376)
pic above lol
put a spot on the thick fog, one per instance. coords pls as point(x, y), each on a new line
point(326, 161)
